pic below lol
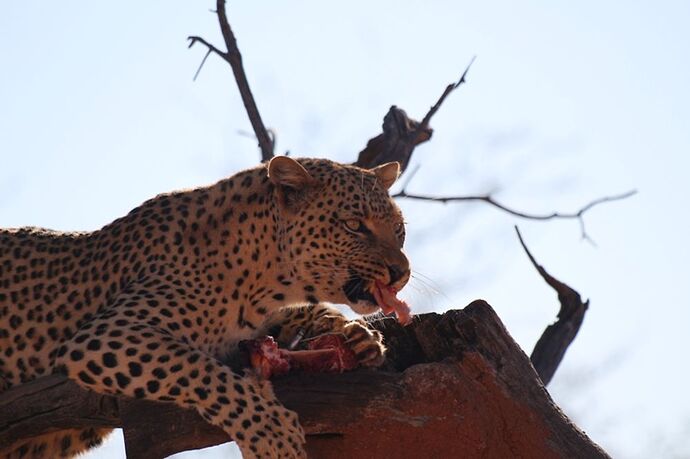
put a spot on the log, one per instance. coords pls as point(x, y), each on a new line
point(453, 385)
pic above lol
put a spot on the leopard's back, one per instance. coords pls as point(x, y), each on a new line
point(47, 290)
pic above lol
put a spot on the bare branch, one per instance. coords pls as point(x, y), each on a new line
point(193, 39)
point(450, 88)
point(398, 140)
point(203, 61)
point(411, 175)
point(402, 134)
point(528, 216)
point(234, 58)
point(550, 349)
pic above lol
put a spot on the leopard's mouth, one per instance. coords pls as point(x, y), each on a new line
point(357, 289)
point(358, 293)
point(367, 297)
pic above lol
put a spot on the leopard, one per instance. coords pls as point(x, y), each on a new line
point(150, 305)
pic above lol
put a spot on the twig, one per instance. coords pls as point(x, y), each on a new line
point(529, 216)
point(203, 61)
point(233, 57)
point(550, 349)
point(410, 176)
point(450, 88)
point(194, 39)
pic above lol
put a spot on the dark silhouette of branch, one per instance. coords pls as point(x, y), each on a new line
point(233, 57)
point(203, 61)
point(402, 134)
point(450, 88)
point(550, 349)
point(579, 214)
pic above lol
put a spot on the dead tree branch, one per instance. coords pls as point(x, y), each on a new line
point(399, 138)
point(233, 57)
point(551, 347)
point(450, 88)
point(579, 214)
point(401, 134)
point(454, 384)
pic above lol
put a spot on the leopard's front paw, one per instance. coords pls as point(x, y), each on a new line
point(367, 344)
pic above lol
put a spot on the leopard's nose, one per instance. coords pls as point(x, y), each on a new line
point(396, 273)
point(398, 269)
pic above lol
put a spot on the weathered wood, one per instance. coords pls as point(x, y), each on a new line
point(397, 142)
point(52, 403)
point(551, 346)
point(454, 384)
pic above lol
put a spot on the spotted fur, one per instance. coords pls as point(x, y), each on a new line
point(149, 306)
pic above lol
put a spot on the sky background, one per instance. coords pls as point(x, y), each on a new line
point(566, 102)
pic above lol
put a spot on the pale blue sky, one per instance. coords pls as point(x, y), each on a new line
point(567, 101)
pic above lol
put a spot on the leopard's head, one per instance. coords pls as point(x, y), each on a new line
point(341, 231)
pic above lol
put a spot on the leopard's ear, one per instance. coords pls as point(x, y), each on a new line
point(286, 172)
point(387, 173)
point(294, 184)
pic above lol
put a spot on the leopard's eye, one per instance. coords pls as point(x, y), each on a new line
point(354, 225)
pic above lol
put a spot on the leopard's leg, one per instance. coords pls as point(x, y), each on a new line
point(60, 444)
point(288, 324)
point(118, 353)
